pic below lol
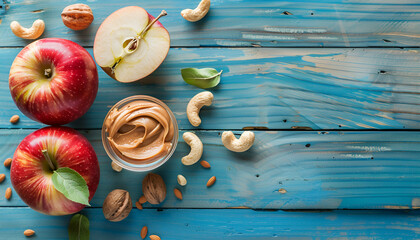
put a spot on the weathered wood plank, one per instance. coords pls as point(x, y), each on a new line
point(271, 88)
point(337, 23)
point(221, 224)
point(312, 170)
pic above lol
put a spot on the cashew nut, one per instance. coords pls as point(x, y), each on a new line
point(196, 148)
point(116, 167)
point(238, 145)
point(33, 32)
point(181, 180)
point(198, 13)
point(195, 104)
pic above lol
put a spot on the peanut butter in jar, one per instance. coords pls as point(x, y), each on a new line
point(140, 131)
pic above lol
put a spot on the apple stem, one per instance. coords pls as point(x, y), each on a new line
point(47, 72)
point(163, 13)
point(133, 45)
point(47, 157)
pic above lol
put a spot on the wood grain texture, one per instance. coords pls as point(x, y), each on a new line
point(221, 224)
point(270, 88)
point(326, 23)
point(283, 170)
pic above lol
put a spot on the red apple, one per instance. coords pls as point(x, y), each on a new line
point(130, 44)
point(53, 81)
point(31, 174)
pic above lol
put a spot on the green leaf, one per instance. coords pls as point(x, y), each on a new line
point(79, 227)
point(202, 78)
point(71, 185)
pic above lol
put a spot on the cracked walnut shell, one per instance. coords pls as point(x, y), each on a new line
point(154, 188)
point(117, 205)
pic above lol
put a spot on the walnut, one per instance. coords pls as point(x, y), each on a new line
point(117, 205)
point(154, 188)
point(77, 16)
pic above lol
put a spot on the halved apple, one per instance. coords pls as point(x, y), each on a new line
point(130, 44)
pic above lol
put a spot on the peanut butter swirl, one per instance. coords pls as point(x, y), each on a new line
point(140, 131)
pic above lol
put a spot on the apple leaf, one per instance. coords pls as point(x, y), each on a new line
point(202, 78)
point(79, 227)
point(71, 185)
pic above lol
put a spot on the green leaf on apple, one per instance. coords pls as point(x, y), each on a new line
point(71, 184)
point(79, 227)
point(202, 78)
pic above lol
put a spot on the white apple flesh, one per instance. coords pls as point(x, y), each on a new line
point(115, 36)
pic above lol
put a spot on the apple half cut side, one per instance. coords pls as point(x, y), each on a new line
point(130, 44)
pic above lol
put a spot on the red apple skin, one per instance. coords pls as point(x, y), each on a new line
point(67, 94)
point(31, 175)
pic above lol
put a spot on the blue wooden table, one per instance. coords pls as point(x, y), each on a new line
point(330, 87)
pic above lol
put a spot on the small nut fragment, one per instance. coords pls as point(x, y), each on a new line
point(116, 167)
point(77, 16)
point(154, 237)
point(2, 177)
point(282, 190)
point(142, 199)
point(14, 119)
point(211, 181)
point(7, 162)
point(143, 232)
point(117, 205)
point(196, 148)
point(198, 13)
point(28, 232)
point(238, 145)
point(33, 32)
point(139, 206)
point(205, 164)
point(178, 193)
point(196, 103)
point(154, 188)
point(8, 193)
point(181, 180)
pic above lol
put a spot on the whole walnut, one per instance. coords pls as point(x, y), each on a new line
point(77, 16)
point(117, 205)
point(154, 188)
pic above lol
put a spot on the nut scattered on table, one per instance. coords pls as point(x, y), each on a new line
point(8, 193)
point(116, 167)
point(205, 164)
point(33, 32)
point(282, 190)
point(211, 181)
point(154, 237)
point(14, 119)
point(139, 206)
point(178, 193)
point(154, 188)
point(2, 177)
point(117, 205)
point(245, 141)
point(195, 104)
point(143, 232)
point(142, 199)
point(7, 162)
point(181, 180)
point(194, 15)
point(77, 16)
point(28, 232)
point(196, 148)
